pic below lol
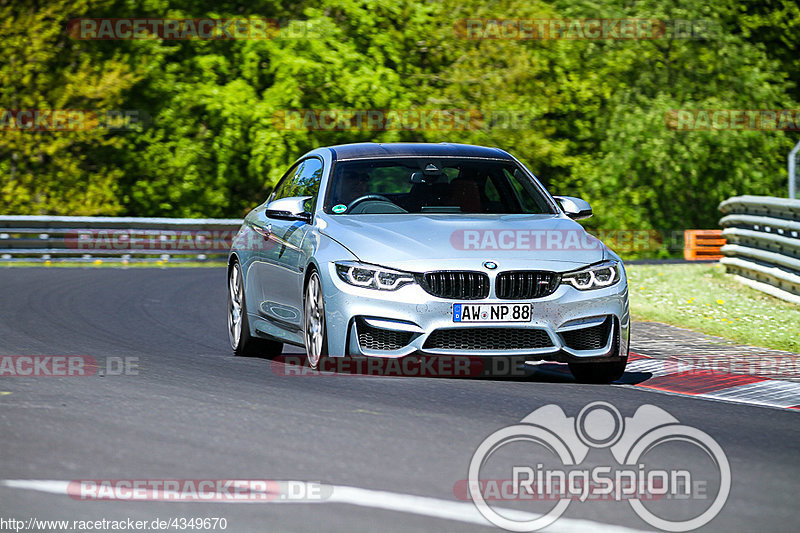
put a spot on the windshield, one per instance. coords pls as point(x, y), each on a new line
point(413, 185)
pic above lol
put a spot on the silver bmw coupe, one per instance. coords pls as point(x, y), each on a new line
point(389, 250)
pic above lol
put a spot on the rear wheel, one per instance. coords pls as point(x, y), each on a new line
point(241, 341)
point(316, 337)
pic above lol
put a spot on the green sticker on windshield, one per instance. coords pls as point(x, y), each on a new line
point(339, 208)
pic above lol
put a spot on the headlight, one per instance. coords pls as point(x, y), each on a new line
point(593, 277)
point(372, 276)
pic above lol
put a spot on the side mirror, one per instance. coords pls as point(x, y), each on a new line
point(575, 208)
point(292, 208)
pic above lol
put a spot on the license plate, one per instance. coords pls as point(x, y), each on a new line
point(492, 312)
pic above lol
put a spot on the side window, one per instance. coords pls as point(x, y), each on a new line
point(304, 181)
point(308, 178)
point(284, 184)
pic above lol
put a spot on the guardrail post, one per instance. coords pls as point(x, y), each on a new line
point(792, 171)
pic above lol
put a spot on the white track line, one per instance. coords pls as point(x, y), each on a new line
point(378, 499)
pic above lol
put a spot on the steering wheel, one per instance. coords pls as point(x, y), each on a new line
point(366, 198)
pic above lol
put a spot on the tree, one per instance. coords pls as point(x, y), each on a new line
point(43, 69)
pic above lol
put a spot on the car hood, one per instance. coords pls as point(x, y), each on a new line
point(427, 241)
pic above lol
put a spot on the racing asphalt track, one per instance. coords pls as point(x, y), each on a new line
point(196, 412)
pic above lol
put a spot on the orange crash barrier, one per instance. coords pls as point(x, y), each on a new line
point(702, 244)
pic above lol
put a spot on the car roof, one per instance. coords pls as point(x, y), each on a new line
point(380, 150)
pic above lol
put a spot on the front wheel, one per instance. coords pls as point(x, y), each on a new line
point(316, 337)
point(601, 373)
point(598, 372)
point(241, 341)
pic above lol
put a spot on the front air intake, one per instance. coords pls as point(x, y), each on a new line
point(488, 339)
point(591, 338)
point(372, 338)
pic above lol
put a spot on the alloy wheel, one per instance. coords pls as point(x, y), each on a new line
point(314, 321)
point(235, 306)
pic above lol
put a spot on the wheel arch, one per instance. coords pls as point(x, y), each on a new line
point(311, 267)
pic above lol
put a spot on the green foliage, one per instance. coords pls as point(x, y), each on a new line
point(648, 175)
point(590, 115)
point(42, 68)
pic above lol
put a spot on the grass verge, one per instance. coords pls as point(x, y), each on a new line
point(703, 298)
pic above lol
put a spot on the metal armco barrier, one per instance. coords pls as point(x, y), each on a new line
point(763, 250)
point(37, 238)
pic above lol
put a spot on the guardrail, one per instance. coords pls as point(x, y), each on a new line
point(42, 238)
point(763, 250)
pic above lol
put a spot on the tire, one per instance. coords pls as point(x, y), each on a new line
point(242, 343)
point(601, 373)
point(315, 331)
point(598, 373)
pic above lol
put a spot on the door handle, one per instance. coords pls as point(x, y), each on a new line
point(265, 231)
